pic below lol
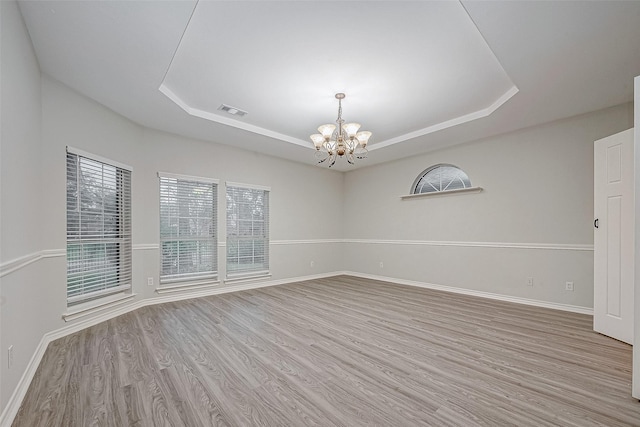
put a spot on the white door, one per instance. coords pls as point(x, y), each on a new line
point(614, 236)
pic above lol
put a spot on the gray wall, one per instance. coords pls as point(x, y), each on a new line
point(21, 208)
point(40, 117)
point(295, 204)
point(538, 192)
point(21, 117)
point(533, 218)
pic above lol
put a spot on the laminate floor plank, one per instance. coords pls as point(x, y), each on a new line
point(272, 362)
point(229, 387)
point(339, 351)
point(344, 344)
point(132, 407)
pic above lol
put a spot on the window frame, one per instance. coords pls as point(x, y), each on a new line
point(117, 244)
point(240, 274)
point(184, 278)
point(430, 169)
point(421, 175)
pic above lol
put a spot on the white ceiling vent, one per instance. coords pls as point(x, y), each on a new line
point(232, 110)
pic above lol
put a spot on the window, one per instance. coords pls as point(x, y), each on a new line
point(188, 238)
point(247, 230)
point(98, 227)
point(439, 178)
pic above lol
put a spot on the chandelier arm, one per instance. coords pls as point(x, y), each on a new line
point(330, 145)
point(351, 144)
point(362, 153)
point(350, 159)
point(319, 155)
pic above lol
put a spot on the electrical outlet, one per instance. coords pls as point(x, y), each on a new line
point(568, 286)
point(381, 264)
point(529, 281)
point(149, 281)
point(10, 356)
point(312, 264)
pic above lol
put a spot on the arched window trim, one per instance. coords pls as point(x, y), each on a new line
point(470, 189)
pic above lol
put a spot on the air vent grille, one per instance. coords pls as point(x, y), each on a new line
point(232, 110)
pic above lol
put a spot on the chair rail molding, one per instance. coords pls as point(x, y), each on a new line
point(16, 264)
point(507, 245)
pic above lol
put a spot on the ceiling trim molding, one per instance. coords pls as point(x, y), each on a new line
point(230, 122)
point(448, 123)
point(303, 143)
point(272, 70)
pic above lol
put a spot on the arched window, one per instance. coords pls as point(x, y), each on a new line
point(439, 178)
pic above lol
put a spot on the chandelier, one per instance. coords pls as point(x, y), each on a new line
point(342, 140)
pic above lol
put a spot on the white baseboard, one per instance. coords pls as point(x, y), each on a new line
point(481, 294)
point(13, 405)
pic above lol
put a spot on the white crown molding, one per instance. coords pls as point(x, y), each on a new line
point(448, 123)
point(304, 143)
point(229, 121)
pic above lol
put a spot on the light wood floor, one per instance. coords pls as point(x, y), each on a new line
point(339, 351)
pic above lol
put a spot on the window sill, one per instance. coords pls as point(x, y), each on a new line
point(89, 308)
point(248, 278)
point(443, 193)
point(167, 289)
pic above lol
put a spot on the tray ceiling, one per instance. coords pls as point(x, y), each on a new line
point(420, 75)
point(407, 71)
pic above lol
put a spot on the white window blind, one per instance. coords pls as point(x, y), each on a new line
point(188, 212)
point(439, 178)
point(98, 228)
point(247, 230)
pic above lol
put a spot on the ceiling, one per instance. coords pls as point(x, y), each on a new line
point(420, 75)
